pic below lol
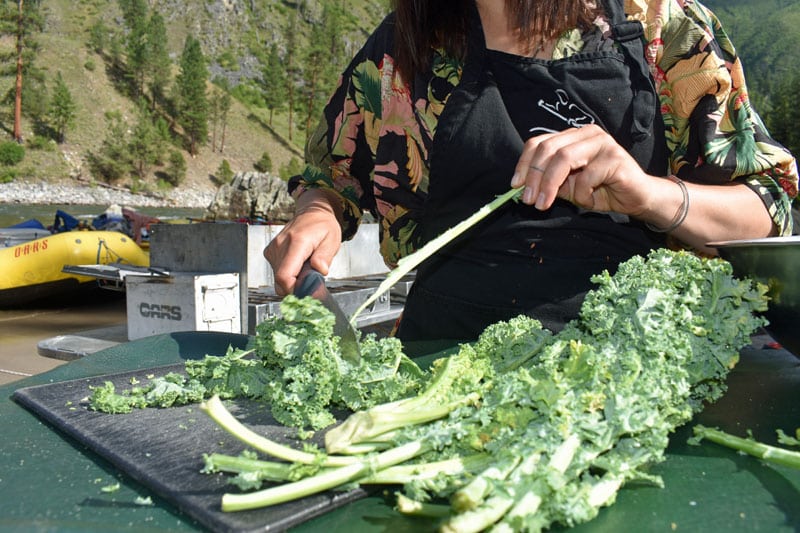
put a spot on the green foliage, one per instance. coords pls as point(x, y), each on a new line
point(112, 160)
point(219, 106)
point(158, 72)
point(40, 142)
point(63, 109)
point(292, 168)
point(227, 60)
point(190, 94)
point(7, 175)
point(90, 65)
point(11, 153)
point(134, 13)
point(224, 172)
point(783, 113)
point(264, 164)
point(273, 82)
point(146, 145)
point(320, 63)
point(176, 168)
point(248, 93)
point(98, 36)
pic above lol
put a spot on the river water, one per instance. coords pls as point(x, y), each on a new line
point(22, 330)
point(11, 214)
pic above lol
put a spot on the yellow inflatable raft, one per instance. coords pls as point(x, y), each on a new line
point(33, 270)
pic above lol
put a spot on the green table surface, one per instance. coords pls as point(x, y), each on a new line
point(49, 482)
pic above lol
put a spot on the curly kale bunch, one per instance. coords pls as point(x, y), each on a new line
point(309, 376)
point(295, 366)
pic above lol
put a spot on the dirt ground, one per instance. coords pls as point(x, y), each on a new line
point(22, 330)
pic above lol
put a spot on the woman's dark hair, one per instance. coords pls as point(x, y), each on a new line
point(425, 24)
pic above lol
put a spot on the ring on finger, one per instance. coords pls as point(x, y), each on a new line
point(534, 167)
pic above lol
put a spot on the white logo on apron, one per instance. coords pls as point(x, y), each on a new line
point(572, 115)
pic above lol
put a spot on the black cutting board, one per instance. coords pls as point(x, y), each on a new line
point(163, 450)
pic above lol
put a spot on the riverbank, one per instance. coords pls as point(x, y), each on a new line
point(78, 194)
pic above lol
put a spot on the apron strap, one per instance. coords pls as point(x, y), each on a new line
point(629, 35)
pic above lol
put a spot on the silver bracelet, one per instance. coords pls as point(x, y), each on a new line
point(680, 215)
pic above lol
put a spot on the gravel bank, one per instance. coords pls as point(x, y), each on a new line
point(46, 193)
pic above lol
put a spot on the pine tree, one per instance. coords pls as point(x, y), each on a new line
point(292, 70)
point(20, 20)
point(190, 87)
point(273, 82)
point(219, 106)
point(62, 109)
point(319, 72)
point(146, 146)
point(159, 63)
point(134, 12)
point(112, 161)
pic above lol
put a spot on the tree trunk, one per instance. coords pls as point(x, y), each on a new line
point(18, 97)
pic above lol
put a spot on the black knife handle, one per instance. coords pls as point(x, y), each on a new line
point(308, 282)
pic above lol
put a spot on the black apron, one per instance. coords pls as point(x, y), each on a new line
point(521, 260)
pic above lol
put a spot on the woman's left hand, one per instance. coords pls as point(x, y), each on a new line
point(585, 166)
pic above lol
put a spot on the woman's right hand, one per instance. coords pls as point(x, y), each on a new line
point(314, 233)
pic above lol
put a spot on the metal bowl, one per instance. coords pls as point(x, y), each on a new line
point(774, 261)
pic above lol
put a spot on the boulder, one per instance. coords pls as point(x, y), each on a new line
point(253, 196)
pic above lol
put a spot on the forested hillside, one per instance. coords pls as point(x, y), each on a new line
point(108, 85)
point(110, 88)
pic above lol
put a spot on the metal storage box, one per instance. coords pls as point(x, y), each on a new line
point(182, 301)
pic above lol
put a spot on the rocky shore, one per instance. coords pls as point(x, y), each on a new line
point(49, 193)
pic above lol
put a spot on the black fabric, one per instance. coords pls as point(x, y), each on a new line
point(521, 260)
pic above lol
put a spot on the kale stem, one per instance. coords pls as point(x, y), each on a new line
point(214, 408)
point(772, 454)
point(321, 482)
point(272, 470)
point(410, 262)
point(410, 507)
point(364, 426)
point(401, 474)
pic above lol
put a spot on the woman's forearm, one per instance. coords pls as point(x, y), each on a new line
point(715, 213)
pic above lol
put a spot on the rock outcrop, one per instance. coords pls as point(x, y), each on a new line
point(253, 196)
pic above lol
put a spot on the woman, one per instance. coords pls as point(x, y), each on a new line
point(625, 124)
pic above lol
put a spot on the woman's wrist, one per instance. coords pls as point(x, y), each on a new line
point(660, 223)
point(680, 213)
point(316, 199)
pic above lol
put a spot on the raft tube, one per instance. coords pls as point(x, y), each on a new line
point(33, 270)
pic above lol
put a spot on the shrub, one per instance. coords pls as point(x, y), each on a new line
point(176, 168)
point(7, 175)
point(11, 153)
point(41, 142)
point(264, 164)
point(224, 172)
point(292, 168)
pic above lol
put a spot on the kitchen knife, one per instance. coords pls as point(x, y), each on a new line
point(311, 283)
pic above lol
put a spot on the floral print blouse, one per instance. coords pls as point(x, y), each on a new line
point(372, 144)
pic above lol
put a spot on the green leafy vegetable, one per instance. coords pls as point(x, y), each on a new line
point(295, 366)
point(567, 419)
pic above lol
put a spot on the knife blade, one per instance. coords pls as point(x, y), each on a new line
point(310, 282)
